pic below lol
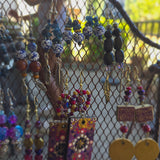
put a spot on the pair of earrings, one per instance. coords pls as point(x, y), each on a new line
point(28, 141)
point(79, 101)
point(122, 148)
point(109, 44)
point(12, 131)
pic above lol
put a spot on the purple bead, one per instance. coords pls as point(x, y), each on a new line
point(74, 96)
point(89, 96)
point(12, 133)
point(38, 124)
point(28, 151)
point(3, 119)
point(88, 99)
point(84, 108)
point(141, 92)
point(13, 119)
point(28, 135)
point(39, 151)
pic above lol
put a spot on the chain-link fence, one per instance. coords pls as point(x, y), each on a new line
point(88, 58)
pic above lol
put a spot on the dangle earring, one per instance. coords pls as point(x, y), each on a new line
point(3, 128)
point(38, 141)
point(118, 42)
point(78, 36)
point(143, 114)
point(58, 143)
point(123, 148)
point(81, 129)
point(28, 141)
point(98, 30)
point(35, 65)
point(87, 30)
point(15, 131)
point(21, 62)
point(67, 34)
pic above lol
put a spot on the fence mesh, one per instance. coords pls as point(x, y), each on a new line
point(89, 58)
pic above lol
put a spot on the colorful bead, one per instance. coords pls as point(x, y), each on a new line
point(3, 118)
point(28, 157)
point(38, 124)
point(67, 36)
point(57, 49)
point(78, 37)
point(3, 133)
point(21, 54)
point(46, 44)
point(39, 143)
point(87, 31)
point(34, 56)
point(12, 119)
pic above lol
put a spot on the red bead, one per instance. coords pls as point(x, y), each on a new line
point(62, 95)
point(38, 157)
point(124, 129)
point(88, 102)
point(146, 128)
point(68, 96)
point(77, 90)
point(129, 88)
point(73, 102)
point(28, 157)
point(58, 110)
point(140, 87)
point(35, 66)
point(84, 91)
point(21, 65)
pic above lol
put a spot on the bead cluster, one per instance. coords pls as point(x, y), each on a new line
point(109, 44)
point(67, 105)
point(128, 93)
point(141, 93)
point(15, 132)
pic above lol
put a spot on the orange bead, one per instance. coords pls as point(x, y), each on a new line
point(24, 74)
point(21, 65)
point(36, 76)
point(35, 66)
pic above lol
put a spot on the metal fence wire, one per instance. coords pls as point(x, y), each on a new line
point(88, 58)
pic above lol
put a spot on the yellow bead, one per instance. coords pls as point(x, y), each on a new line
point(74, 106)
point(39, 143)
point(75, 93)
point(88, 92)
point(59, 98)
point(59, 114)
point(87, 106)
point(28, 142)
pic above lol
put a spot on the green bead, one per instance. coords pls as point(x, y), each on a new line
point(39, 142)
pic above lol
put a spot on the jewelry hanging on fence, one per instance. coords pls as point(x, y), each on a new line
point(81, 129)
point(123, 148)
point(146, 148)
point(28, 141)
point(15, 131)
point(67, 34)
point(35, 65)
point(38, 141)
point(3, 128)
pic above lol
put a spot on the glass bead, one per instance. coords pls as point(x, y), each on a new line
point(99, 30)
point(39, 151)
point(67, 36)
point(46, 44)
point(39, 142)
point(119, 56)
point(21, 65)
point(108, 45)
point(108, 58)
point(35, 66)
point(124, 129)
point(146, 128)
point(118, 43)
point(19, 132)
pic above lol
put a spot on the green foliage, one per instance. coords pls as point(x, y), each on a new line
point(141, 10)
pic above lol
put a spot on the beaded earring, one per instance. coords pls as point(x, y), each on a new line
point(81, 129)
point(57, 143)
point(98, 29)
point(3, 128)
point(35, 65)
point(109, 44)
point(15, 131)
point(144, 113)
point(38, 141)
point(123, 148)
point(28, 141)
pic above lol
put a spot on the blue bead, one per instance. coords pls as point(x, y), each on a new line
point(19, 132)
point(78, 37)
point(57, 49)
point(34, 56)
point(3, 133)
point(87, 31)
point(39, 151)
point(21, 54)
point(32, 46)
